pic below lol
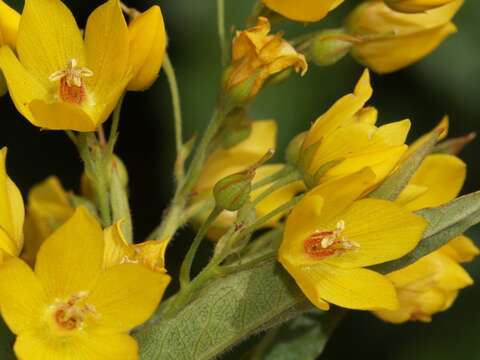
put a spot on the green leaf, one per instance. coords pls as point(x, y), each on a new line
point(444, 223)
point(226, 312)
point(303, 338)
point(395, 183)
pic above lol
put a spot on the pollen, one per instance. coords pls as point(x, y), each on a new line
point(72, 85)
point(70, 314)
point(325, 243)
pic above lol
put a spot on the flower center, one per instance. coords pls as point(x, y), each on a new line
point(72, 85)
point(70, 315)
point(324, 243)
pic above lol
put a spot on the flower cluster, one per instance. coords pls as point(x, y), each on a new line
point(355, 216)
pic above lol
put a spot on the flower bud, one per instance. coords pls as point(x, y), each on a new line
point(148, 41)
point(233, 191)
point(415, 6)
point(391, 40)
point(9, 21)
point(330, 46)
point(303, 10)
point(238, 128)
point(292, 153)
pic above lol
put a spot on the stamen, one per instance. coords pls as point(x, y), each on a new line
point(72, 87)
point(70, 315)
point(324, 243)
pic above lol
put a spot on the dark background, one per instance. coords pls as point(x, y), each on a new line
point(447, 82)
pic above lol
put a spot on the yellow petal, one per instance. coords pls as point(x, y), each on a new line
point(126, 296)
point(70, 260)
point(359, 289)
point(85, 345)
point(151, 254)
point(48, 208)
point(303, 10)
point(48, 37)
point(383, 230)
point(9, 22)
point(107, 50)
point(443, 175)
point(410, 193)
point(224, 162)
point(460, 249)
point(22, 298)
point(415, 6)
point(22, 86)
point(12, 211)
point(148, 40)
point(60, 116)
point(367, 115)
point(116, 247)
point(342, 112)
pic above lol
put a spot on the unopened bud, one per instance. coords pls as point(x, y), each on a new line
point(233, 191)
point(292, 154)
point(148, 41)
point(329, 47)
point(241, 92)
point(238, 127)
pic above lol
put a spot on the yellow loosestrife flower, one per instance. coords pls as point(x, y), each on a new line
point(60, 81)
point(415, 6)
point(431, 284)
point(224, 162)
point(303, 10)
point(148, 41)
point(257, 55)
point(345, 139)
point(70, 307)
point(391, 40)
point(150, 254)
point(12, 213)
point(331, 236)
point(48, 207)
point(9, 21)
point(426, 287)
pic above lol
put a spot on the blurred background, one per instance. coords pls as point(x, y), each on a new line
point(447, 82)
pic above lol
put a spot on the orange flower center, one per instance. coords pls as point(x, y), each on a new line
point(324, 243)
point(70, 315)
point(72, 86)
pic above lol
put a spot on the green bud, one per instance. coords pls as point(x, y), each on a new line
point(292, 154)
point(238, 93)
point(233, 191)
point(3, 84)
point(329, 47)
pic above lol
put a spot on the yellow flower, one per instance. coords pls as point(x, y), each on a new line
point(48, 207)
point(148, 41)
point(224, 162)
point(431, 284)
point(415, 6)
point(9, 21)
point(256, 56)
point(303, 10)
point(150, 254)
point(345, 139)
point(69, 307)
point(60, 81)
point(12, 213)
point(426, 287)
point(391, 40)
point(331, 236)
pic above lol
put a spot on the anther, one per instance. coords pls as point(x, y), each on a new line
point(72, 86)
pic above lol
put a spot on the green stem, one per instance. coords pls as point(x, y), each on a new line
point(221, 30)
point(177, 111)
point(271, 178)
point(280, 210)
point(112, 138)
point(231, 269)
point(173, 219)
point(186, 267)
